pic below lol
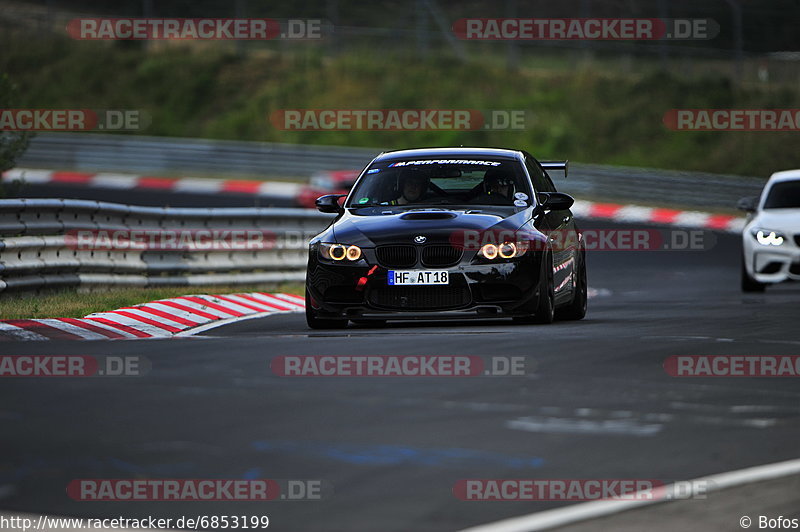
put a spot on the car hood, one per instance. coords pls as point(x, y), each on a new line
point(787, 220)
point(436, 225)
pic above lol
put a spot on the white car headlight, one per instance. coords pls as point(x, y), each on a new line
point(765, 237)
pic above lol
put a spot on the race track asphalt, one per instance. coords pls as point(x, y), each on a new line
point(597, 404)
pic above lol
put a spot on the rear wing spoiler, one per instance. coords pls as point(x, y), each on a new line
point(556, 165)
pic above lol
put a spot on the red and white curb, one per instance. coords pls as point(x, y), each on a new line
point(617, 212)
point(656, 215)
point(157, 319)
point(173, 184)
point(165, 318)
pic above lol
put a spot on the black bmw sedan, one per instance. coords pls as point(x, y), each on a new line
point(448, 233)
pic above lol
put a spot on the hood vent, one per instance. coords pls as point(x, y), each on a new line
point(428, 215)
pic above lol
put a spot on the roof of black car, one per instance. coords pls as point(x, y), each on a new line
point(449, 152)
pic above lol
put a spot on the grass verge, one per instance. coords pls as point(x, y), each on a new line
point(73, 303)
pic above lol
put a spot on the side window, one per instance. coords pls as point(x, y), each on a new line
point(550, 186)
point(541, 182)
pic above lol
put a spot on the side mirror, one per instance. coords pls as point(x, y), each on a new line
point(555, 201)
point(330, 203)
point(747, 204)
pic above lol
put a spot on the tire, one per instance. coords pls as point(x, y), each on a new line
point(546, 309)
point(576, 310)
point(544, 312)
point(748, 283)
point(321, 323)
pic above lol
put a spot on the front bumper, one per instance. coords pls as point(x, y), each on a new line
point(362, 292)
point(775, 265)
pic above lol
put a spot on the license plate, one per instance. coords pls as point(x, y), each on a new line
point(420, 277)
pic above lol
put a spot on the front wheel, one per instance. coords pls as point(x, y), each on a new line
point(321, 323)
point(546, 305)
point(576, 310)
point(546, 309)
point(748, 283)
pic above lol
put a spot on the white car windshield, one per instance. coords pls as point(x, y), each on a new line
point(783, 195)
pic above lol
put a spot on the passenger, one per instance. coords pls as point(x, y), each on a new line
point(498, 189)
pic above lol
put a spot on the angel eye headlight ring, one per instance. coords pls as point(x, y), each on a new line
point(489, 251)
point(507, 250)
point(353, 253)
point(337, 252)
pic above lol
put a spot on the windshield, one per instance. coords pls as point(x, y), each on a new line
point(443, 182)
point(784, 195)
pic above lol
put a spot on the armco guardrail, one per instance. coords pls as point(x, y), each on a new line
point(159, 155)
point(41, 244)
point(626, 184)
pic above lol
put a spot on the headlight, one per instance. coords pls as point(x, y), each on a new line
point(339, 252)
point(489, 251)
point(765, 237)
point(506, 250)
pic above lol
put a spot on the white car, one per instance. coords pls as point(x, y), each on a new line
point(771, 236)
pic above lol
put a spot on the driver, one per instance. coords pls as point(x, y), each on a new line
point(413, 186)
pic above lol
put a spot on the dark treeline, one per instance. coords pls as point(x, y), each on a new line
point(767, 25)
